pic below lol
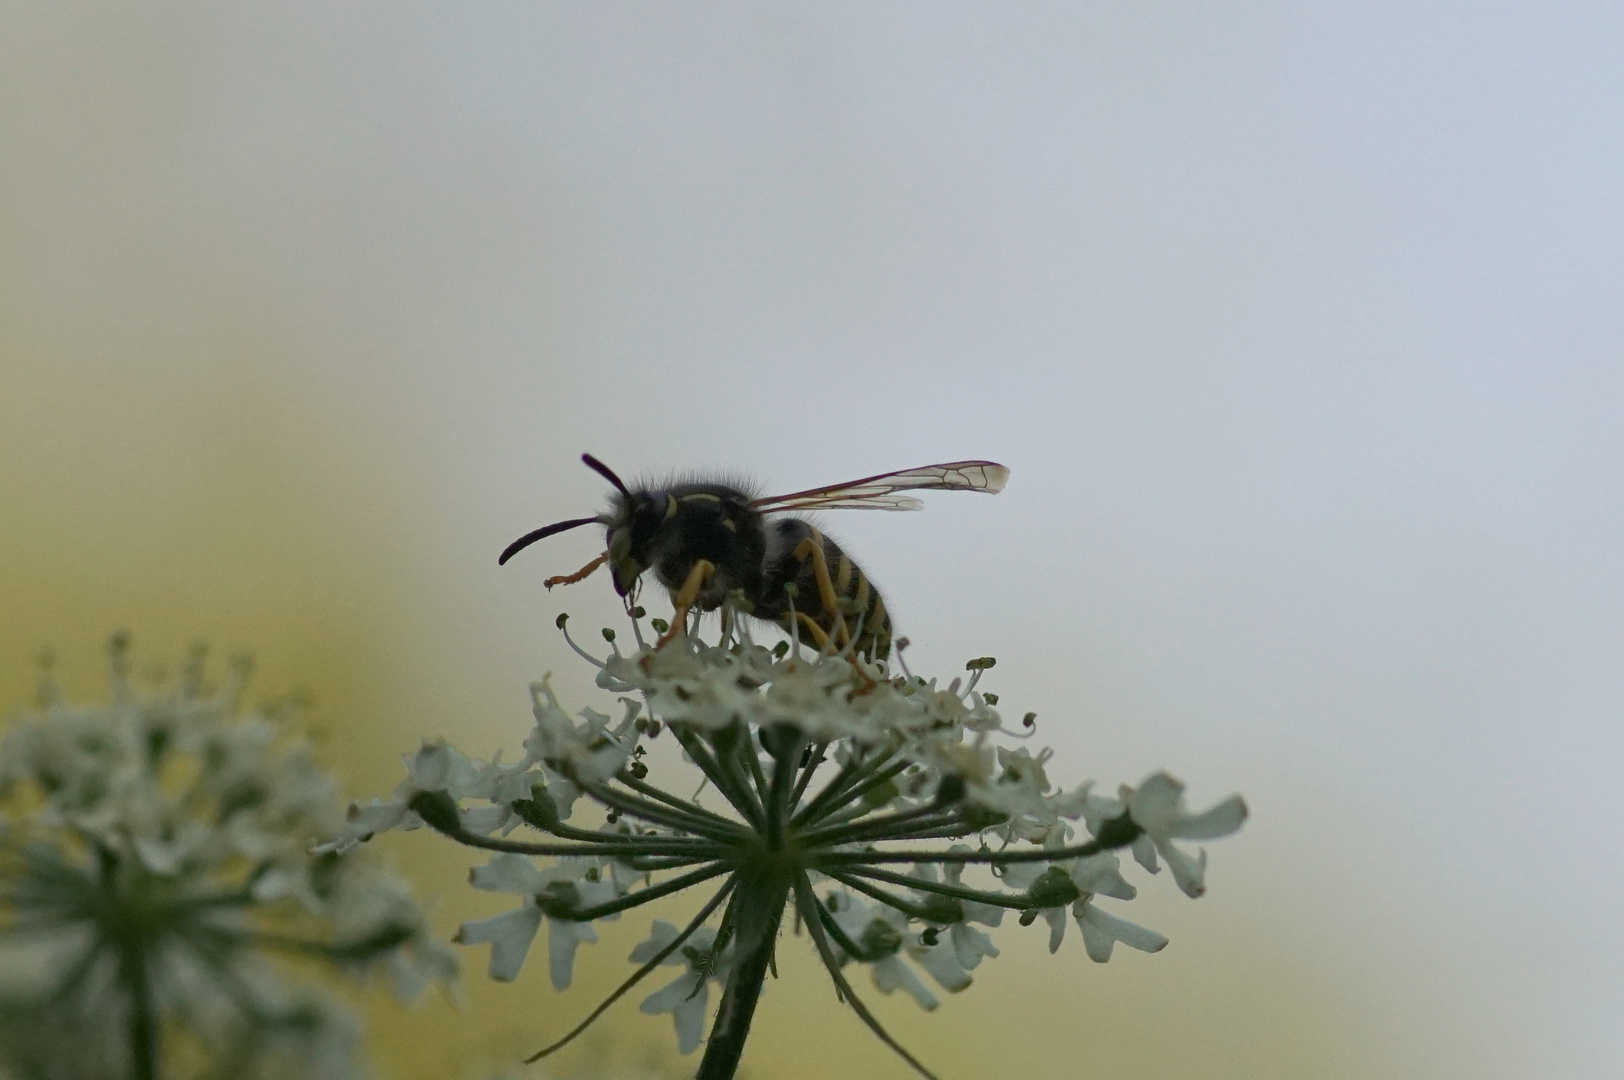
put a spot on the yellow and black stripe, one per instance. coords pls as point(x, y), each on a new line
point(834, 600)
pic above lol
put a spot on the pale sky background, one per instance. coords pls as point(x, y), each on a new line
point(1300, 327)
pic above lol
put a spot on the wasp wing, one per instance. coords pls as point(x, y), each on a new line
point(881, 492)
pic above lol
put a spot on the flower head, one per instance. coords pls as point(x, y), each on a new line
point(833, 783)
point(156, 847)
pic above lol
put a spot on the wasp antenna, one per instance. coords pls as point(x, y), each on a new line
point(604, 471)
point(541, 534)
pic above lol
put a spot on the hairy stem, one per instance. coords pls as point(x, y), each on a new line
point(759, 906)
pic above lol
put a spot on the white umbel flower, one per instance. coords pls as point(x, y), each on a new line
point(831, 782)
point(156, 847)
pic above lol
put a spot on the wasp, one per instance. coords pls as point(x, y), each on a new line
point(711, 542)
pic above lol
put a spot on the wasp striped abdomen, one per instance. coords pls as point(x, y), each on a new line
point(834, 600)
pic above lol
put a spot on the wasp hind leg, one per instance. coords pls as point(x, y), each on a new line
point(580, 575)
point(684, 599)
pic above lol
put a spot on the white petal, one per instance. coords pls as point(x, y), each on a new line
point(509, 936)
point(1144, 853)
point(985, 914)
point(689, 1019)
point(1100, 874)
point(892, 974)
point(669, 996)
point(1221, 820)
point(485, 820)
point(508, 873)
point(1158, 804)
point(1098, 943)
point(431, 766)
point(563, 937)
point(660, 935)
point(593, 893)
point(943, 965)
point(1057, 926)
point(1021, 875)
point(1129, 933)
point(970, 945)
point(1190, 873)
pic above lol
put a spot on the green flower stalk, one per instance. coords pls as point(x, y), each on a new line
point(890, 817)
point(154, 859)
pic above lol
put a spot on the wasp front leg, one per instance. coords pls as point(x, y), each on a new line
point(682, 601)
point(580, 575)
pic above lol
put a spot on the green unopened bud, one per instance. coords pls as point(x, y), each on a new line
point(1052, 889)
point(1120, 831)
point(559, 900)
point(539, 810)
point(438, 811)
point(879, 940)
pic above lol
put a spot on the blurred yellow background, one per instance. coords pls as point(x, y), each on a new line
point(1299, 331)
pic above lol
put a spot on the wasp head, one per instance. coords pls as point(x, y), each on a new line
point(634, 519)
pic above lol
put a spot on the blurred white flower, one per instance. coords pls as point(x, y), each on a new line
point(155, 847)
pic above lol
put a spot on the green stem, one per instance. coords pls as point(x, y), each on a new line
point(660, 815)
point(673, 801)
point(907, 907)
point(748, 755)
point(759, 903)
point(676, 847)
point(1018, 901)
point(807, 901)
point(850, 773)
point(143, 1021)
point(1118, 838)
point(855, 792)
point(641, 896)
point(875, 828)
point(712, 768)
point(778, 793)
point(806, 774)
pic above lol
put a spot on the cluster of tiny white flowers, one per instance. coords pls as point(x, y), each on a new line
point(155, 849)
point(913, 762)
